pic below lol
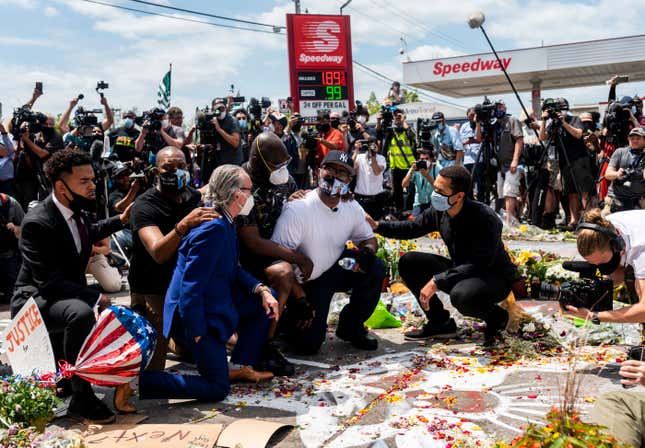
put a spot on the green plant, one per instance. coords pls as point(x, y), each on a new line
point(27, 402)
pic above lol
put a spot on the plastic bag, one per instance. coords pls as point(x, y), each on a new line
point(381, 318)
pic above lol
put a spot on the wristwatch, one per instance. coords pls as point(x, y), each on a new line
point(594, 318)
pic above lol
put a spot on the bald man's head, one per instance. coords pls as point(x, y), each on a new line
point(268, 153)
point(170, 159)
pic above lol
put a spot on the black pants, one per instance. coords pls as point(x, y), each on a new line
point(9, 267)
point(473, 297)
point(373, 205)
point(397, 188)
point(75, 318)
point(366, 292)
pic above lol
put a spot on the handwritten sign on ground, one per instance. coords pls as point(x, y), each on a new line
point(27, 343)
point(249, 433)
point(154, 436)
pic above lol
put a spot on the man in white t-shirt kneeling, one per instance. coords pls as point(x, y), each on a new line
point(318, 226)
point(369, 166)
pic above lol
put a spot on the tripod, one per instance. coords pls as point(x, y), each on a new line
point(106, 212)
point(485, 149)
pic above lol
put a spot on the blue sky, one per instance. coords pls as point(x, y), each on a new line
point(71, 44)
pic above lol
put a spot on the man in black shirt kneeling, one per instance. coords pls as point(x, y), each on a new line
point(479, 273)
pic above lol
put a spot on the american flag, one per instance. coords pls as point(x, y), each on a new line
point(119, 346)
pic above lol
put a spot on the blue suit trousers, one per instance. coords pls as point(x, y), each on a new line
point(212, 383)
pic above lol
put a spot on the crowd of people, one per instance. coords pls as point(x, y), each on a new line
point(234, 232)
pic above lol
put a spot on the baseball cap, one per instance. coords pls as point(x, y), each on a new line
point(279, 117)
point(637, 131)
point(120, 169)
point(586, 116)
point(339, 158)
point(438, 116)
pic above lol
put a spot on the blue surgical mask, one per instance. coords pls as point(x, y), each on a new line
point(128, 123)
point(634, 110)
point(441, 127)
point(499, 113)
point(439, 202)
point(242, 124)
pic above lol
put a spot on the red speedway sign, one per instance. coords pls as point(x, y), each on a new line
point(478, 65)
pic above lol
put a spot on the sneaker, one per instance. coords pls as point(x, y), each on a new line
point(446, 330)
point(274, 361)
point(89, 409)
point(361, 339)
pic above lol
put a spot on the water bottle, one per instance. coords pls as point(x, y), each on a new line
point(347, 263)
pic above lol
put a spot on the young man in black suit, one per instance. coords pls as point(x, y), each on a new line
point(56, 243)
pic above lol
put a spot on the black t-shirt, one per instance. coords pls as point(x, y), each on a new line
point(575, 147)
point(152, 208)
point(225, 153)
point(123, 141)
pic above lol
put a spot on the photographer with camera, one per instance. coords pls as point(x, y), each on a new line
point(157, 132)
point(615, 245)
point(329, 137)
point(81, 135)
point(565, 131)
point(625, 171)
point(399, 144)
point(468, 133)
point(422, 174)
point(369, 166)
point(245, 133)
point(446, 141)
point(7, 151)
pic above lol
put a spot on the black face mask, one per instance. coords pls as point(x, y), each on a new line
point(173, 182)
point(334, 123)
point(611, 265)
point(324, 128)
point(588, 126)
point(80, 203)
point(296, 127)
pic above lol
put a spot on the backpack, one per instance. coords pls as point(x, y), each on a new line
point(8, 240)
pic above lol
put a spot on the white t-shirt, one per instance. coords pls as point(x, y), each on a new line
point(631, 226)
point(368, 183)
point(312, 228)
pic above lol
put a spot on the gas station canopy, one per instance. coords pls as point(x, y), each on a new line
point(551, 67)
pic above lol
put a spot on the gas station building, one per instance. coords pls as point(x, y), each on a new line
point(535, 69)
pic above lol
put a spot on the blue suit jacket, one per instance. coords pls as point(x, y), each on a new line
point(207, 281)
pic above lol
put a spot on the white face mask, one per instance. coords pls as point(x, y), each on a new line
point(279, 176)
point(248, 206)
point(164, 123)
point(361, 119)
point(222, 115)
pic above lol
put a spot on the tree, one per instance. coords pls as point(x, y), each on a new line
point(372, 104)
point(410, 96)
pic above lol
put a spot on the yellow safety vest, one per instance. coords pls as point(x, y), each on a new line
point(398, 155)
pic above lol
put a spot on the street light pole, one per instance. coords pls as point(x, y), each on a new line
point(297, 2)
point(343, 7)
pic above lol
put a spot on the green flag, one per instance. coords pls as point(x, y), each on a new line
point(163, 94)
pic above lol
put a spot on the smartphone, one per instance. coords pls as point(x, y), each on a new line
point(39, 86)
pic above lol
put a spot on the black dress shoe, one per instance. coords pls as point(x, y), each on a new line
point(492, 333)
point(444, 330)
point(361, 339)
point(273, 361)
point(89, 409)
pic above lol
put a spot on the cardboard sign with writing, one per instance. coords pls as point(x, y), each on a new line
point(154, 436)
point(249, 433)
point(27, 344)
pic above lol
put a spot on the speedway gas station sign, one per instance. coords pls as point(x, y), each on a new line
point(320, 64)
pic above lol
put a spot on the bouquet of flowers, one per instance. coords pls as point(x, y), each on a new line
point(27, 402)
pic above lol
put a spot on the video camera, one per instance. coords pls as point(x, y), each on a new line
point(588, 291)
point(100, 87)
point(358, 110)
point(24, 114)
point(617, 121)
point(85, 118)
point(387, 115)
point(486, 111)
point(631, 174)
point(256, 107)
point(425, 126)
point(554, 106)
point(310, 138)
point(153, 118)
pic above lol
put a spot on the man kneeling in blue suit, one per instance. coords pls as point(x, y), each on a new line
point(210, 297)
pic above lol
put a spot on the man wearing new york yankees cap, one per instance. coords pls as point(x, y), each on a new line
point(319, 226)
